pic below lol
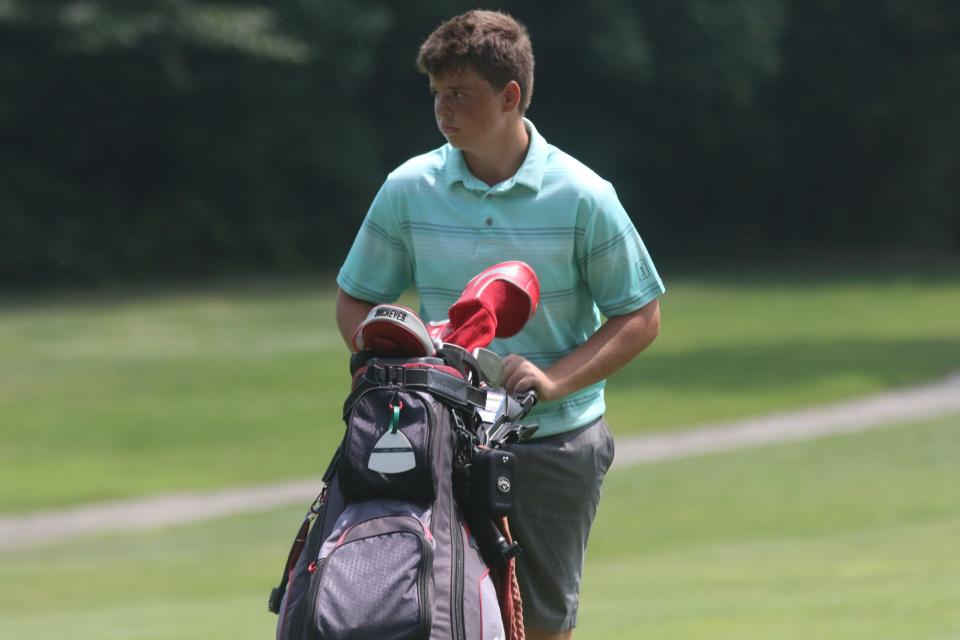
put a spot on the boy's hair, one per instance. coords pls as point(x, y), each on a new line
point(492, 43)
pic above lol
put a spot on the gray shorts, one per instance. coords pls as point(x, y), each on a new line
point(558, 489)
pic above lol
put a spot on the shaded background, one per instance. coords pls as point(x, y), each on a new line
point(170, 139)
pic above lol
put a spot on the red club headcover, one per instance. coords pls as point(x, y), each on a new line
point(497, 302)
point(393, 330)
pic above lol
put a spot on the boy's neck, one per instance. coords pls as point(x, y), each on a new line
point(504, 158)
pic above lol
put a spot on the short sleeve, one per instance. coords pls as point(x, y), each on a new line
point(614, 261)
point(378, 268)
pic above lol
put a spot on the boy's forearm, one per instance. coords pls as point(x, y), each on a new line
point(616, 343)
point(350, 313)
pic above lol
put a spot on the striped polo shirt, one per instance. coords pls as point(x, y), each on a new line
point(434, 225)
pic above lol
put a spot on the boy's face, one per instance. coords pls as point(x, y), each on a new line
point(469, 111)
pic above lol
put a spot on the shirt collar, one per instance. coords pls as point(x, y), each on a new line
point(530, 174)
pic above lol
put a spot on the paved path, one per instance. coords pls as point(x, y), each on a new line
point(908, 405)
point(928, 401)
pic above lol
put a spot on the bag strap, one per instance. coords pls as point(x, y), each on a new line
point(449, 388)
point(508, 591)
point(461, 360)
point(300, 541)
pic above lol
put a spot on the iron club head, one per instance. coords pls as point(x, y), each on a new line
point(491, 366)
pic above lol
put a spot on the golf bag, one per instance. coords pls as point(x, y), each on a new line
point(386, 551)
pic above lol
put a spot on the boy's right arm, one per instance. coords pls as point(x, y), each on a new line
point(350, 313)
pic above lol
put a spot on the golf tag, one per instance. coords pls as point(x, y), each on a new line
point(392, 453)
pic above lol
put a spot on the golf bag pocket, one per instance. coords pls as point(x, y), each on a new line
point(374, 584)
point(387, 447)
point(490, 622)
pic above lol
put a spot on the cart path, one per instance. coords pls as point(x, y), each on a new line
point(928, 401)
point(913, 404)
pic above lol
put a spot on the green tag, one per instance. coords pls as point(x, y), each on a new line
point(396, 418)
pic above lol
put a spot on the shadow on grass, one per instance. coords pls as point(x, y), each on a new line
point(769, 367)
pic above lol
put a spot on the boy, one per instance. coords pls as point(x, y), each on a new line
point(495, 192)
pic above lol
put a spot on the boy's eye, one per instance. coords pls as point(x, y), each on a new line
point(450, 94)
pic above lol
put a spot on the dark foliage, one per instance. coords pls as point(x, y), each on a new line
point(173, 138)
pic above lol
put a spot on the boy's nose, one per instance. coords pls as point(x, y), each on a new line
point(441, 106)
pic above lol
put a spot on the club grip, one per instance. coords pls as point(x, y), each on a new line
point(520, 404)
point(527, 399)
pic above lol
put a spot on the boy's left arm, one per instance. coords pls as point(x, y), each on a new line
point(617, 342)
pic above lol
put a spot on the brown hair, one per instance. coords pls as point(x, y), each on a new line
point(491, 42)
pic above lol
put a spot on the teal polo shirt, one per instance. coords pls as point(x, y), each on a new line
point(434, 225)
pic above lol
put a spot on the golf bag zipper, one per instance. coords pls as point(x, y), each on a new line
point(305, 631)
point(426, 610)
point(308, 599)
point(431, 427)
point(318, 511)
point(456, 592)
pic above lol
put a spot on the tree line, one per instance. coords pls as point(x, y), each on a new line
point(179, 138)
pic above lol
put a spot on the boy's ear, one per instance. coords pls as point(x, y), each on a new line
point(511, 96)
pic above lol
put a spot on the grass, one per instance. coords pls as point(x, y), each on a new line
point(847, 538)
point(731, 347)
point(112, 395)
point(166, 392)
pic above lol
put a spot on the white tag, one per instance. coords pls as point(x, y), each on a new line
point(393, 453)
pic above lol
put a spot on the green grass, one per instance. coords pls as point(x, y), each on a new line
point(731, 347)
point(847, 538)
point(117, 394)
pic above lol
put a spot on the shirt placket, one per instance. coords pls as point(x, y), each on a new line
point(486, 225)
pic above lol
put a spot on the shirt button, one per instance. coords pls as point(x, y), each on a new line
point(488, 221)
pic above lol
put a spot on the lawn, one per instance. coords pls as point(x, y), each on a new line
point(846, 538)
point(112, 394)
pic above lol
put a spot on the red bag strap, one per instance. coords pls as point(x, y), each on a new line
point(508, 591)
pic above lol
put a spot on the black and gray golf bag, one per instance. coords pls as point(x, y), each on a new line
point(392, 549)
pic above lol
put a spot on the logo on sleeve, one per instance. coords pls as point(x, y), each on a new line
point(642, 269)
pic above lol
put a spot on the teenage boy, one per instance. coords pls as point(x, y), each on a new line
point(498, 191)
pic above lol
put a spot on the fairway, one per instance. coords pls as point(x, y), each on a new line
point(113, 395)
point(846, 538)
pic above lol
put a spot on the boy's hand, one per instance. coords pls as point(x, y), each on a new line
point(615, 344)
point(521, 375)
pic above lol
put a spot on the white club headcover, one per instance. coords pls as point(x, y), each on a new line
point(394, 331)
